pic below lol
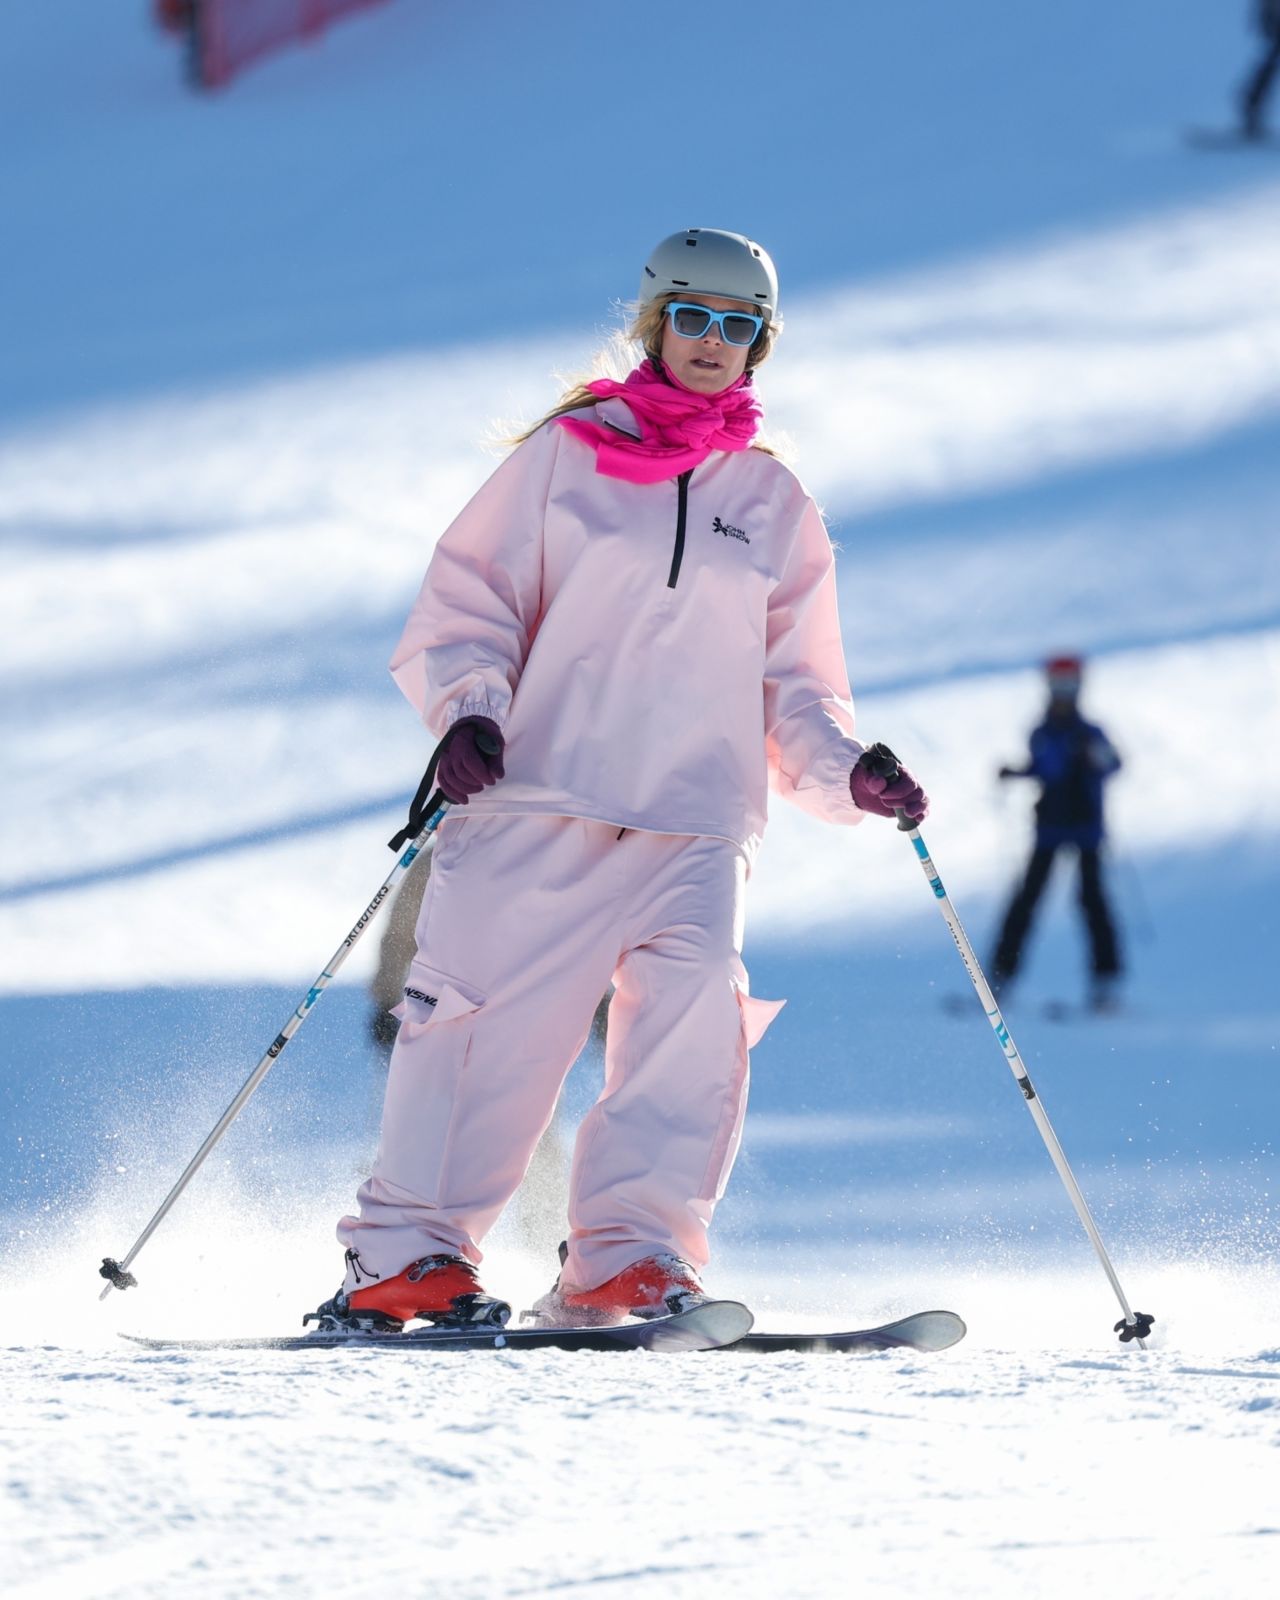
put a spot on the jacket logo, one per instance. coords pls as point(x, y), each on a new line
point(417, 994)
point(729, 531)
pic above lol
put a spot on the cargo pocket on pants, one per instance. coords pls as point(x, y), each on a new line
point(428, 1070)
point(755, 1015)
point(432, 998)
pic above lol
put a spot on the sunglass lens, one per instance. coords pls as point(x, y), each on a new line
point(690, 321)
point(739, 330)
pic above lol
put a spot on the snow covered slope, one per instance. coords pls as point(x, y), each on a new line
point(436, 174)
point(250, 348)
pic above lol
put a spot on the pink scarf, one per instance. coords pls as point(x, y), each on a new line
point(679, 428)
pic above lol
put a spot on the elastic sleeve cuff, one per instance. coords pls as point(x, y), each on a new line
point(479, 708)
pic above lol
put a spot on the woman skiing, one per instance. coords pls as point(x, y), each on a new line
point(628, 635)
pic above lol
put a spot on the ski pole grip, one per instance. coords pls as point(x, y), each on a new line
point(421, 807)
point(886, 765)
point(882, 761)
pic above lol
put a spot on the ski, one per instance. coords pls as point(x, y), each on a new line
point(716, 1325)
point(962, 1005)
point(925, 1331)
point(1077, 1011)
point(709, 1326)
point(1230, 139)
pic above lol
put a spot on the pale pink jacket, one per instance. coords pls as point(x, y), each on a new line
point(657, 655)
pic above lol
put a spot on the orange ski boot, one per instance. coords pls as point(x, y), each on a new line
point(440, 1289)
point(657, 1286)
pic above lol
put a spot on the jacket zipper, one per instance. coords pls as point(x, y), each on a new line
point(682, 510)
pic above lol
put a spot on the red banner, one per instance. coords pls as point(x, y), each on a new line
point(231, 33)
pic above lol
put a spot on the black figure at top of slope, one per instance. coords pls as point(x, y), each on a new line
point(1254, 92)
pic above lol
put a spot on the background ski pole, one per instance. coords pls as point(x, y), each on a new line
point(425, 816)
point(1136, 1324)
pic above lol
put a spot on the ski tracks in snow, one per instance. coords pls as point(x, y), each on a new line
point(245, 1476)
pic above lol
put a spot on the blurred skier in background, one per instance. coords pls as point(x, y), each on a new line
point(1258, 85)
point(1071, 759)
point(395, 951)
point(625, 638)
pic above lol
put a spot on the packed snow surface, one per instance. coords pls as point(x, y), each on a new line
point(253, 347)
point(985, 1471)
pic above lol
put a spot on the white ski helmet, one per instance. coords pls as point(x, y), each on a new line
point(711, 261)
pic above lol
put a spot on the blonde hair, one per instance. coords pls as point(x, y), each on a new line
point(617, 357)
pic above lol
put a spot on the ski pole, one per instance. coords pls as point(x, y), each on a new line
point(1135, 1324)
point(425, 816)
point(1142, 921)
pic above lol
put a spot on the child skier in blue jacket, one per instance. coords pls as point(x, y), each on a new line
point(1071, 759)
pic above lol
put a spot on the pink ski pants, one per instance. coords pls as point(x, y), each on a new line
point(525, 921)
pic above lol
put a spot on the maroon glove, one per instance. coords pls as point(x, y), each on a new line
point(882, 796)
point(465, 768)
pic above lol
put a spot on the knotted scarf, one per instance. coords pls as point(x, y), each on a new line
point(679, 428)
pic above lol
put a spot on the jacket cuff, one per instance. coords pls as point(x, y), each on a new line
point(479, 708)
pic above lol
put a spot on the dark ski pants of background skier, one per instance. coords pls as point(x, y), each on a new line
point(1093, 902)
point(1258, 87)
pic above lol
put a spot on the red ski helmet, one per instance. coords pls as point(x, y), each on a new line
point(1064, 674)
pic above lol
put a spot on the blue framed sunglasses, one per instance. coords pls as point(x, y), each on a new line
point(695, 322)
